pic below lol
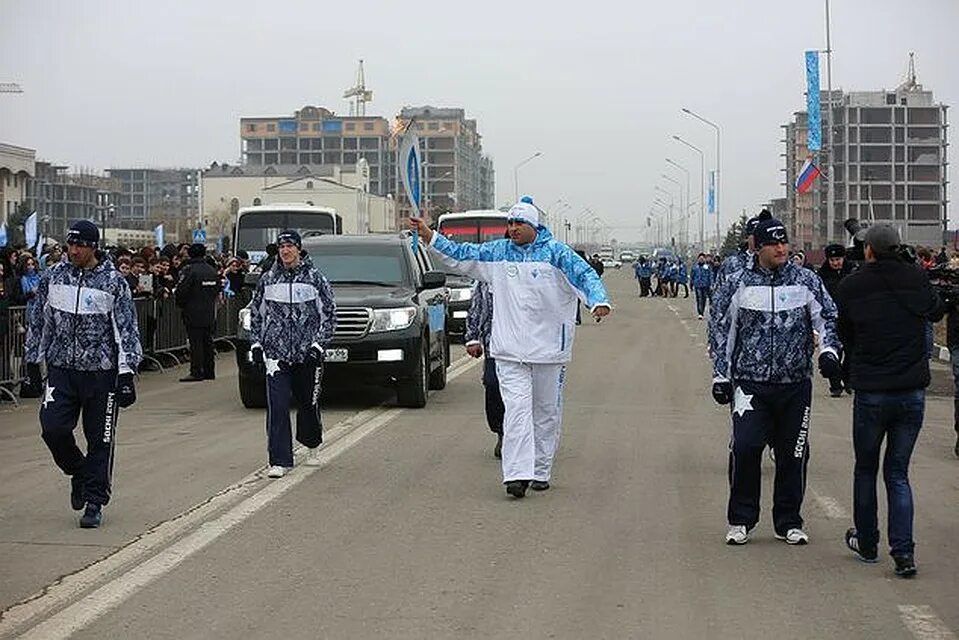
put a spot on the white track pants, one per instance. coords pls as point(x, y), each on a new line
point(533, 396)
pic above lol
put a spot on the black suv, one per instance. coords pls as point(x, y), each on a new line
point(391, 308)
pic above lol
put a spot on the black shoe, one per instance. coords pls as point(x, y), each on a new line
point(905, 565)
point(91, 517)
point(191, 378)
point(539, 485)
point(517, 488)
point(498, 449)
point(76, 492)
point(866, 554)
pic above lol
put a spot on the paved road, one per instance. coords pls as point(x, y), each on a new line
point(404, 531)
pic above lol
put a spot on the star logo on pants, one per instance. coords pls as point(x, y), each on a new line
point(272, 366)
point(742, 402)
point(49, 396)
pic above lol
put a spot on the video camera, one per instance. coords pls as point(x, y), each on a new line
point(945, 280)
point(856, 253)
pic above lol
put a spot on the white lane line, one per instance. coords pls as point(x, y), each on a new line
point(347, 433)
point(830, 506)
point(923, 622)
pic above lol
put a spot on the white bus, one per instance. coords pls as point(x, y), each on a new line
point(258, 226)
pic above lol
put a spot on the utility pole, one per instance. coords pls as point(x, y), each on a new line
point(830, 191)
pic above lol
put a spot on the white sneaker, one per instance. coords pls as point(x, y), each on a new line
point(794, 536)
point(700, 316)
point(738, 534)
point(312, 457)
point(276, 472)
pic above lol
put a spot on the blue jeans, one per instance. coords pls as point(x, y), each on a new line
point(897, 418)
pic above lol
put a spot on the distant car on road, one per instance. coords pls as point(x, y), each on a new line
point(627, 256)
point(611, 263)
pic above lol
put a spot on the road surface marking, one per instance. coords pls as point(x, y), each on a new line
point(831, 506)
point(923, 622)
point(342, 437)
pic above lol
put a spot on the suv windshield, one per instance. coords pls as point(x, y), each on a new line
point(349, 263)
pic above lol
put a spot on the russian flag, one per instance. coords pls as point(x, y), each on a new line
point(807, 175)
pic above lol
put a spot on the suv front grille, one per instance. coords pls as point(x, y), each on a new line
point(352, 323)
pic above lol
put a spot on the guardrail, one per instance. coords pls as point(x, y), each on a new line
point(163, 336)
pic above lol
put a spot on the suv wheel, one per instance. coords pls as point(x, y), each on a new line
point(438, 377)
point(414, 391)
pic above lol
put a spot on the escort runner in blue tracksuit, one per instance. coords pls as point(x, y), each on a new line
point(702, 281)
point(762, 335)
point(643, 271)
point(681, 277)
point(535, 281)
point(83, 326)
point(479, 328)
point(292, 320)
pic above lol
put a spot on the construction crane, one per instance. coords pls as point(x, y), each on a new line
point(360, 93)
point(10, 87)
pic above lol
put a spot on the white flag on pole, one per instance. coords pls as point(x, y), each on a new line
point(30, 230)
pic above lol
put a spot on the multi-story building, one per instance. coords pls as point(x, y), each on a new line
point(457, 176)
point(150, 196)
point(16, 170)
point(889, 165)
point(61, 198)
point(314, 136)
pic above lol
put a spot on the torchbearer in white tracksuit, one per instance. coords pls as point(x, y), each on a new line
point(536, 281)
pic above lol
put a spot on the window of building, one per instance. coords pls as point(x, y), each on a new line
point(368, 126)
point(304, 126)
point(251, 127)
point(256, 202)
point(271, 127)
point(900, 154)
point(900, 212)
point(434, 126)
point(271, 144)
point(309, 184)
point(350, 143)
point(900, 192)
point(351, 126)
point(890, 98)
point(317, 126)
point(900, 174)
point(447, 126)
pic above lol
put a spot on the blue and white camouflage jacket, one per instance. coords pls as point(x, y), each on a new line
point(761, 327)
point(479, 321)
point(84, 320)
point(535, 288)
point(292, 310)
point(730, 266)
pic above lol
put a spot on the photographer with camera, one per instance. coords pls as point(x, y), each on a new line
point(833, 270)
point(883, 311)
point(945, 280)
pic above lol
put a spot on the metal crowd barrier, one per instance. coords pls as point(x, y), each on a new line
point(163, 335)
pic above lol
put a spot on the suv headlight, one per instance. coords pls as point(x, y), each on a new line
point(245, 318)
point(392, 319)
point(461, 295)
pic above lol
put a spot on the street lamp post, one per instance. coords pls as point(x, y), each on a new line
point(684, 226)
point(689, 202)
point(718, 160)
point(702, 187)
point(669, 208)
point(516, 174)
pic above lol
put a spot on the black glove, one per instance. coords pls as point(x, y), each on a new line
point(314, 356)
point(829, 365)
point(723, 392)
point(34, 379)
point(256, 353)
point(126, 391)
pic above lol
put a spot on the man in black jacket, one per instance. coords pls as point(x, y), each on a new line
point(952, 342)
point(833, 271)
point(196, 294)
point(883, 311)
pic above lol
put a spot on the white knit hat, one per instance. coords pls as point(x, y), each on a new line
point(523, 212)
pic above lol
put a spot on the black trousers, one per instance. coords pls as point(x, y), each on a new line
point(303, 381)
point(201, 352)
point(70, 393)
point(495, 409)
point(777, 414)
point(645, 288)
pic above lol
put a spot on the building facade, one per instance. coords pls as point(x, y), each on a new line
point(315, 137)
point(60, 198)
point(17, 167)
point(889, 165)
point(457, 174)
point(151, 196)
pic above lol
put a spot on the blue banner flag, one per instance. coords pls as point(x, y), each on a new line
point(813, 101)
point(711, 196)
point(30, 230)
point(158, 235)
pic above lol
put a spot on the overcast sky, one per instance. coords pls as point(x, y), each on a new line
point(596, 86)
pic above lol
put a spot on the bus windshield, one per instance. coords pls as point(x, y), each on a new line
point(478, 229)
point(256, 229)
